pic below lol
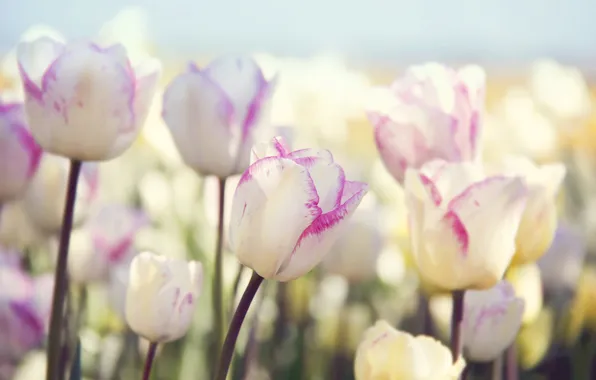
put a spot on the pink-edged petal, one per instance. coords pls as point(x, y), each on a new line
point(310, 153)
point(276, 147)
point(34, 58)
point(199, 114)
point(451, 178)
point(316, 241)
point(275, 201)
point(329, 180)
point(351, 188)
point(86, 103)
point(491, 211)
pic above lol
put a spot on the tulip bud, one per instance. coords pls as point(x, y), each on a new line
point(214, 113)
point(462, 224)
point(492, 319)
point(528, 286)
point(161, 296)
point(84, 102)
point(436, 114)
point(539, 220)
point(386, 353)
point(44, 199)
point(289, 209)
point(106, 241)
point(19, 153)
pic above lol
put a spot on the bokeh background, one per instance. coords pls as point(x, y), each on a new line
point(540, 56)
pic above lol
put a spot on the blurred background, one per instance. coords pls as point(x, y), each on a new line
point(330, 56)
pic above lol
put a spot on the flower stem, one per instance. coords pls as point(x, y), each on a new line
point(511, 364)
point(61, 281)
point(228, 348)
point(457, 317)
point(217, 297)
point(149, 360)
point(497, 368)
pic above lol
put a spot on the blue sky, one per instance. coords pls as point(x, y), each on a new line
point(379, 30)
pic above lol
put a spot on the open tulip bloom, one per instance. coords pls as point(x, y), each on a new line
point(85, 102)
point(436, 114)
point(289, 208)
point(462, 223)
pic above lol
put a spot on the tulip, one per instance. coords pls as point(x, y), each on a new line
point(161, 296)
point(492, 319)
point(386, 353)
point(19, 153)
point(44, 199)
point(539, 220)
point(106, 241)
point(214, 114)
point(288, 210)
point(462, 224)
point(354, 255)
point(436, 114)
point(21, 326)
point(17, 230)
point(84, 102)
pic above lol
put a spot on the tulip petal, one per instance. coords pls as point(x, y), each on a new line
point(87, 93)
point(317, 239)
point(311, 154)
point(350, 189)
point(34, 58)
point(329, 180)
point(276, 147)
point(276, 200)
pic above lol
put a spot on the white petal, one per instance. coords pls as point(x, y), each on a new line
point(274, 203)
point(36, 56)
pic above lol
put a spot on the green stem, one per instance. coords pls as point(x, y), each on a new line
point(230, 343)
point(218, 311)
point(61, 282)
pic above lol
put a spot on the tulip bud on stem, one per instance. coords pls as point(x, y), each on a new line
point(55, 335)
point(218, 307)
point(456, 324)
point(228, 347)
point(149, 361)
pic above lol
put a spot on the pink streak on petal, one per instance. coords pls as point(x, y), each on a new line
point(489, 312)
point(432, 189)
point(459, 231)
point(31, 146)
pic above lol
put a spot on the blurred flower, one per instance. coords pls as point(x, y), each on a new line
point(289, 208)
point(535, 339)
point(21, 326)
point(354, 255)
point(539, 220)
point(107, 240)
point(436, 115)
point(9, 258)
point(561, 265)
point(43, 286)
point(161, 296)
point(492, 319)
point(528, 286)
point(44, 199)
point(462, 224)
point(33, 366)
point(85, 102)
point(215, 113)
point(19, 153)
point(582, 311)
point(17, 230)
point(386, 353)
point(117, 285)
point(561, 89)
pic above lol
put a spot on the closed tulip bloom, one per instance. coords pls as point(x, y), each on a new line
point(462, 223)
point(288, 210)
point(19, 153)
point(106, 241)
point(44, 199)
point(161, 296)
point(84, 102)
point(388, 354)
point(214, 114)
point(435, 114)
point(539, 221)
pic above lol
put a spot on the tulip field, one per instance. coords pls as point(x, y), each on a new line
point(265, 217)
